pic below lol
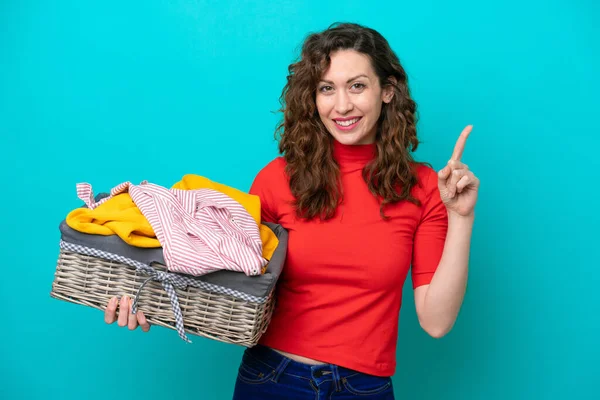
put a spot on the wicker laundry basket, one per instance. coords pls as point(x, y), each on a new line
point(92, 280)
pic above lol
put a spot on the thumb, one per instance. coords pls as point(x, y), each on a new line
point(443, 174)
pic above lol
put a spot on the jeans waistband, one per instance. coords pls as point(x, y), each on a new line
point(281, 364)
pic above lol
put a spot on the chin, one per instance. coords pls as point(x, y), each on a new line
point(348, 138)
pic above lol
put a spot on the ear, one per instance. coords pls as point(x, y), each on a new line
point(388, 89)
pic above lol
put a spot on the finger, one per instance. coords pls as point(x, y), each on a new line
point(463, 183)
point(457, 174)
point(455, 164)
point(142, 321)
point(110, 313)
point(132, 322)
point(123, 314)
point(473, 180)
point(459, 147)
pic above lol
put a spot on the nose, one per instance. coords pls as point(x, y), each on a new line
point(343, 103)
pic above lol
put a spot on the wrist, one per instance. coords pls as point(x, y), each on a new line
point(454, 216)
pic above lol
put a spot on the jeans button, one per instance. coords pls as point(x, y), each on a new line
point(318, 374)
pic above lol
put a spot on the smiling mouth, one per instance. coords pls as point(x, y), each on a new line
point(348, 124)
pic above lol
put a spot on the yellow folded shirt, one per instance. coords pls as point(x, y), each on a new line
point(117, 216)
point(120, 216)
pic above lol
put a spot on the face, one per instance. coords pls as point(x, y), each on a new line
point(349, 98)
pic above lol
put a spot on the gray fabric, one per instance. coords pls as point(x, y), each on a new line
point(259, 286)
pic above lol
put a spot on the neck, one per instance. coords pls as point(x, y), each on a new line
point(353, 155)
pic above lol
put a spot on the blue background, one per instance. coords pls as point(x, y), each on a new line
point(110, 91)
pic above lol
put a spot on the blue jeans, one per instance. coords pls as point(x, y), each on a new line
point(264, 374)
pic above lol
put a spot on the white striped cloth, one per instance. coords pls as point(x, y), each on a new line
point(200, 231)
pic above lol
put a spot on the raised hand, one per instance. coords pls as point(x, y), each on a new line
point(458, 185)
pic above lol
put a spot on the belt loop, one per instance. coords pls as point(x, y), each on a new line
point(336, 378)
point(280, 368)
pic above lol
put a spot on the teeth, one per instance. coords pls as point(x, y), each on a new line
point(347, 123)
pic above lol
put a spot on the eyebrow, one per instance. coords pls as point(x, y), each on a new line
point(349, 80)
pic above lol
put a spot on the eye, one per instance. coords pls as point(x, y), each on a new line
point(325, 88)
point(359, 86)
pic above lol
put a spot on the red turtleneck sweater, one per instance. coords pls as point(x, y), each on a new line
point(339, 295)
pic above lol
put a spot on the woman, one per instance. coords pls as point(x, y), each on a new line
point(360, 212)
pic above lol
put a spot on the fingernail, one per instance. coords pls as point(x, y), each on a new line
point(113, 301)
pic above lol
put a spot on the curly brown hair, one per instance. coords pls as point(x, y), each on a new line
point(306, 144)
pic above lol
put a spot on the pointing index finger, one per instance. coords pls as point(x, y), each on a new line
point(459, 148)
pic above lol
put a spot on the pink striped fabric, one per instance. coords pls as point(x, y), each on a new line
point(200, 231)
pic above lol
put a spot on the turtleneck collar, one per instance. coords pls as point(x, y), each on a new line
point(357, 155)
